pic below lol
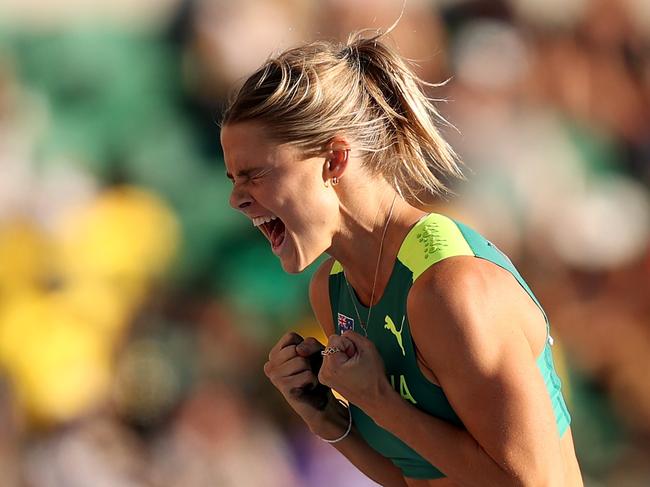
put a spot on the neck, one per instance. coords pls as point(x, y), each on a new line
point(358, 242)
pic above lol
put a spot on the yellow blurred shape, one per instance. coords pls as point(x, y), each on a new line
point(25, 256)
point(64, 300)
point(59, 366)
point(127, 234)
point(98, 304)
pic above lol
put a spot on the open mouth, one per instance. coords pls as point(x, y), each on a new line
point(274, 231)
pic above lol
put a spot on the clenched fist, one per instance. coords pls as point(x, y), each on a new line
point(356, 370)
point(293, 368)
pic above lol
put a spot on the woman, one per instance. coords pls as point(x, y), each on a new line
point(435, 340)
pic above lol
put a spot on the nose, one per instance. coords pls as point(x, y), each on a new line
point(240, 199)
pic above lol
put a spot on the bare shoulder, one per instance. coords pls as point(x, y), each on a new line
point(465, 303)
point(319, 296)
point(458, 285)
point(468, 320)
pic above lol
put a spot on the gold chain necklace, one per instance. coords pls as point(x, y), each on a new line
point(374, 281)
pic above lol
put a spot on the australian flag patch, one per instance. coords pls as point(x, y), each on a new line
point(345, 323)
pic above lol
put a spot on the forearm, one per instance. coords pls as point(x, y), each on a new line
point(356, 450)
point(451, 449)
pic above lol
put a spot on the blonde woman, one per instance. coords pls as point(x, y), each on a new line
point(437, 343)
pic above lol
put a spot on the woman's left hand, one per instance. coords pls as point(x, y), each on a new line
point(356, 372)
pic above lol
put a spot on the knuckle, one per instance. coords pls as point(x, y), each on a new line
point(293, 336)
point(314, 341)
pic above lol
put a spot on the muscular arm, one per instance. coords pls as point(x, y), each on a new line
point(463, 323)
point(354, 447)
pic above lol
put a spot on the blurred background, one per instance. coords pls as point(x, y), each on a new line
point(137, 308)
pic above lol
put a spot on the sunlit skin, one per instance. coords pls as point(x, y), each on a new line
point(345, 220)
point(477, 341)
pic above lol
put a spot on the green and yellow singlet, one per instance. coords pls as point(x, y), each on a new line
point(434, 238)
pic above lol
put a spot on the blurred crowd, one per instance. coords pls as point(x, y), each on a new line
point(137, 308)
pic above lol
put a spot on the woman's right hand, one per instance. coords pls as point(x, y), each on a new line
point(293, 368)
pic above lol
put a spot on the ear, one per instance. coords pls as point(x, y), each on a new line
point(336, 159)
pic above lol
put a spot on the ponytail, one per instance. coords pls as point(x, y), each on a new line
point(365, 89)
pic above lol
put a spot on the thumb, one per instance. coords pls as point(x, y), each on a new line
point(309, 347)
point(360, 342)
point(349, 347)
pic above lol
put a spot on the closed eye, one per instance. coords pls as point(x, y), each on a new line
point(249, 175)
point(257, 176)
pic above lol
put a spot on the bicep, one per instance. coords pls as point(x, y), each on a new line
point(484, 364)
point(501, 400)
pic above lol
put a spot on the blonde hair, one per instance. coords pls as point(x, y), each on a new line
point(365, 89)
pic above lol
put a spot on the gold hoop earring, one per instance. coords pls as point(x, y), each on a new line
point(335, 181)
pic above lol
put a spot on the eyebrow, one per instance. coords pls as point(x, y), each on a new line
point(244, 172)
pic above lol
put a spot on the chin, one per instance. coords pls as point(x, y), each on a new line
point(292, 270)
point(293, 267)
point(297, 266)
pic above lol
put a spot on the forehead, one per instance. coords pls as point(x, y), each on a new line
point(248, 144)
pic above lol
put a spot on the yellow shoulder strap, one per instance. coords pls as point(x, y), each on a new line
point(336, 268)
point(434, 238)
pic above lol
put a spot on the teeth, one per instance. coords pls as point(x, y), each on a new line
point(263, 219)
